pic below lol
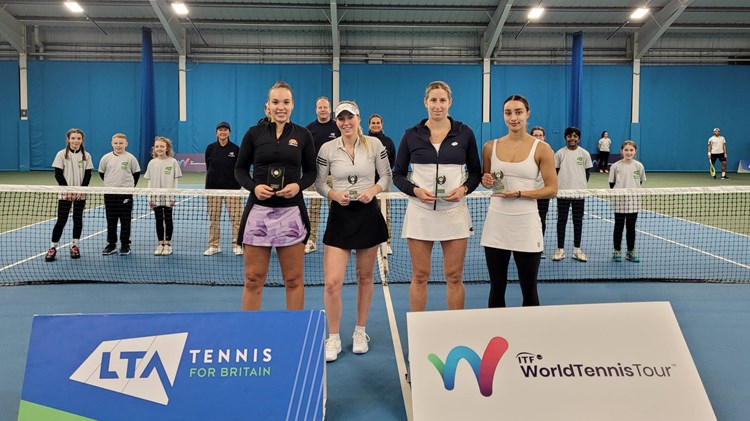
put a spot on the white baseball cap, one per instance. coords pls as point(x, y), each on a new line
point(717, 129)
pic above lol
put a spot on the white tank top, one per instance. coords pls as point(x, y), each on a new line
point(514, 224)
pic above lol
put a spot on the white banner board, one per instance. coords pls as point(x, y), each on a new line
point(626, 361)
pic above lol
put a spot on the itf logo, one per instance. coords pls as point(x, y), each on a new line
point(484, 369)
point(138, 367)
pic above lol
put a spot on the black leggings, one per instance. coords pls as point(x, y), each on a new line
point(625, 220)
point(164, 223)
point(542, 206)
point(528, 267)
point(603, 160)
point(118, 207)
point(63, 209)
point(562, 220)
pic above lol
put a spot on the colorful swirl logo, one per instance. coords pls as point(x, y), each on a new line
point(484, 368)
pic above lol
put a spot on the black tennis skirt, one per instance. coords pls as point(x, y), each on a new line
point(355, 226)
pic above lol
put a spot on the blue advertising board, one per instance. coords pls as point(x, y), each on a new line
point(187, 366)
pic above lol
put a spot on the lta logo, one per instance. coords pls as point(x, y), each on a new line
point(143, 367)
point(484, 368)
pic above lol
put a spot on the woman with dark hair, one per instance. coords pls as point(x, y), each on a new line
point(604, 144)
point(282, 155)
point(511, 166)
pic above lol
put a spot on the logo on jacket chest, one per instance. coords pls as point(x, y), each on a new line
point(293, 142)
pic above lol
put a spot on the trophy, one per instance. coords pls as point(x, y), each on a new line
point(498, 186)
point(440, 192)
point(352, 181)
point(276, 178)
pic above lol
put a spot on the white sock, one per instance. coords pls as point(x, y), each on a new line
point(360, 328)
point(334, 336)
point(723, 174)
point(53, 245)
point(75, 242)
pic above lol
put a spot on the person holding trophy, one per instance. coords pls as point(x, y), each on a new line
point(354, 162)
point(282, 155)
point(445, 166)
point(510, 168)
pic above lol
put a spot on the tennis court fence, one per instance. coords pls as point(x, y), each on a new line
point(683, 234)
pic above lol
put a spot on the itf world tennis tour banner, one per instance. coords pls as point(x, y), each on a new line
point(609, 362)
point(176, 366)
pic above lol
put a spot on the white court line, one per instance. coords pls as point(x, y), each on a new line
point(399, 351)
point(395, 337)
point(691, 248)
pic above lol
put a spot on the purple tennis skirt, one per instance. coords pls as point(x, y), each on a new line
point(274, 227)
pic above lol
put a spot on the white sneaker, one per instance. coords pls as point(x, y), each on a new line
point(167, 250)
point(310, 247)
point(559, 255)
point(211, 251)
point(159, 250)
point(237, 250)
point(361, 339)
point(579, 255)
point(333, 348)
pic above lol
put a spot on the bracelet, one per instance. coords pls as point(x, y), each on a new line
point(466, 189)
point(518, 196)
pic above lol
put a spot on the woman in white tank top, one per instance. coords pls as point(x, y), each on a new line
point(510, 167)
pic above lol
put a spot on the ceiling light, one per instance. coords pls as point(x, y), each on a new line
point(74, 6)
point(535, 13)
point(639, 13)
point(180, 8)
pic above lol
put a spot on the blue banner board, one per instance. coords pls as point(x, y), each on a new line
point(186, 366)
point(744, 166)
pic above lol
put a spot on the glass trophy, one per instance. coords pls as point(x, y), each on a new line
point(499, 186)
point(440, 191)
point(352, 191)
point(276, 178)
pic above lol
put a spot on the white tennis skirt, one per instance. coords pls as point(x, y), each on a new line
point(437, 225)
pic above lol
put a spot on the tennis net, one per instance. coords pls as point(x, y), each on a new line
point(683, 234)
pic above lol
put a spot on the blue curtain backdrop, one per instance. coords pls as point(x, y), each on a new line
point(148, 104)
point(576, 80)
point(102, 98)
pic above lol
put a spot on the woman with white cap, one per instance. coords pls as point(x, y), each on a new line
point(354, 221)
point(445, 166)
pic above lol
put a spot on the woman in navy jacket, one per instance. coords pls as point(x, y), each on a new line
point(445, 166)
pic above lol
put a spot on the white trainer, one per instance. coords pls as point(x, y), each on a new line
point(237, 249)
point(159, 250)
point(579, 255)
point(211, 251)
point(559, 255)
point(361, 339)
point(167, 250)
point(333, 348)
point(310, 247)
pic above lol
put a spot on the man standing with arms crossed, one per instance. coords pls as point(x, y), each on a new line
point(221, 156)
point(322, 129)
point(717, 149)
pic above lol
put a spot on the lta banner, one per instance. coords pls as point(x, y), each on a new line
point(186, 366)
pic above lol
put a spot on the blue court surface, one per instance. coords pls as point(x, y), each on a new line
point(713, 318)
